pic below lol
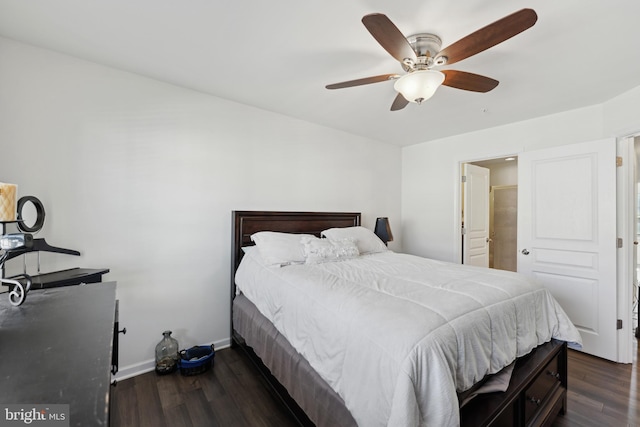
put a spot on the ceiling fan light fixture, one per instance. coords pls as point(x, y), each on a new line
point(420, 85)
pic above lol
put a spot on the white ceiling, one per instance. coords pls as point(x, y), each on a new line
point(279, 55)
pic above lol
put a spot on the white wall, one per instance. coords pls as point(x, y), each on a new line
point(505, 173)
point(430, 188)
point(430, 173)
point(141, 177)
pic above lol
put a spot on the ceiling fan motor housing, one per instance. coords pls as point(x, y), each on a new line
point(426, 47)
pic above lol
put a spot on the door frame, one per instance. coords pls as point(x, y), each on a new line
point(626, 194)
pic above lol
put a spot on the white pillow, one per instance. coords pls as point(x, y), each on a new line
point(367, 241)
point(317, 251)
point(280, 248)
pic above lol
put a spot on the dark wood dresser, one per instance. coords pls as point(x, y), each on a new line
point(56, 348)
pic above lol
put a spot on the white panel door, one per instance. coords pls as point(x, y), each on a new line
point(476, 216)
point(567, 234)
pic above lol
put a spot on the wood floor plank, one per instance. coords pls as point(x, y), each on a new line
point(178, 416)
point(125, 411)
point(584, 401)
point(601, 393)
point(220, 406)
point(217, 395)
point(246, 388)
point(199, 409)
point(169, 393)
point(147, 397)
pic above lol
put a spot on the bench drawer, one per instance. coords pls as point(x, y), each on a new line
point(541, 389)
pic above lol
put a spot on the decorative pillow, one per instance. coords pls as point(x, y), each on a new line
point(280, 248)
point(367, 241)
point(324, 250)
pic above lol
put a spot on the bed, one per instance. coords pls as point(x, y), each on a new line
point(534, 394)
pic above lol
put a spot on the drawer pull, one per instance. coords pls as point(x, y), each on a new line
point(555, 375)
point(534, 400)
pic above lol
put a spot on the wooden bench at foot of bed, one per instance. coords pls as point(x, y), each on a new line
point(537, 392)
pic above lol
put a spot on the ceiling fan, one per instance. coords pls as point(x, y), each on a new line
point(418, 54)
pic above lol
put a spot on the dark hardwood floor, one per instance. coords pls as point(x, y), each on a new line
point(601, 393)
point(232, 393)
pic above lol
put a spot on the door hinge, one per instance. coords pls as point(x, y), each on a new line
point(464, 230)
point(618, 161)
point(619, 324)
point(619, 242)
point(464, 178)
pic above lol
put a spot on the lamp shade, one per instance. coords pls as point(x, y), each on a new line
point(8, 204)
point(418, 86)
point(383, 230)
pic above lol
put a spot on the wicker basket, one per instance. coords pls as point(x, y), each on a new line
point(196, 360)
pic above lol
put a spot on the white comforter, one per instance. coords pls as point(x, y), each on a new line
point(396, 335)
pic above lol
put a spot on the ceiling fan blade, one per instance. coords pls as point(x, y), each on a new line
point(468, 81)
point(364, 81)
point(389, 36)
point(489, 36)
point(399, 103)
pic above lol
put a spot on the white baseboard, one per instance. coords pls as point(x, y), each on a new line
point(136, 369)
point(149, 365)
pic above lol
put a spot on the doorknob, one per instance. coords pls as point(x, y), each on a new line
point(525, 252)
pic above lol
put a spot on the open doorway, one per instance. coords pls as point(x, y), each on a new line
point(502, 210)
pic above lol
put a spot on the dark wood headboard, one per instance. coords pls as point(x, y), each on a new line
point(245, 223)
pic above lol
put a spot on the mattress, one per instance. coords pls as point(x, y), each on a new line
point(397, 336)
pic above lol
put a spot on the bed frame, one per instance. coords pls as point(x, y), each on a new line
point(537, 390)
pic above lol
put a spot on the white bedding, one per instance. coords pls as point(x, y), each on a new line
point(397, 335)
